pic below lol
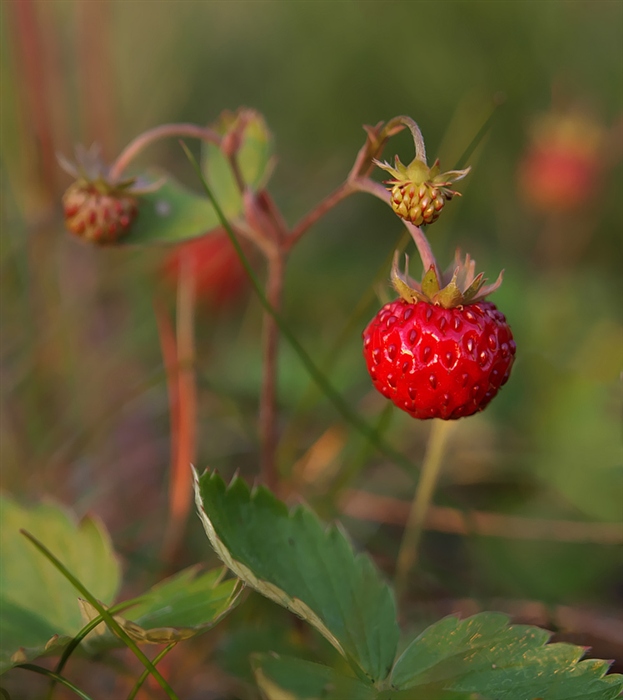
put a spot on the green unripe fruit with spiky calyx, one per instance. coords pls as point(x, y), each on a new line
point(419, 193)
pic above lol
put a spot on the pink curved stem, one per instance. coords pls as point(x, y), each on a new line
point(160, 132)
point(420, 240)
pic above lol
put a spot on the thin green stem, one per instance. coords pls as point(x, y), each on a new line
point(480, 134)
point(56, 678)
point(143, 676)
point(407, 555)
point(106, 615)
point(77, 640)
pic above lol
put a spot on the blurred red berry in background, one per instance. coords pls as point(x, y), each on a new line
point(563, 166)
point(221, 279)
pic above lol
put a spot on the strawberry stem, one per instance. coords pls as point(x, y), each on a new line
point(185, 406)
point(420, 240)
point(137, 145)
point(407, 555)
point(270, 347)
point(418, 139)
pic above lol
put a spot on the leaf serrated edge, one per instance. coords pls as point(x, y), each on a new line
point(264, 587)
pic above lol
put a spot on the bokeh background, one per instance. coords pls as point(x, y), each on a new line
point(85, 413)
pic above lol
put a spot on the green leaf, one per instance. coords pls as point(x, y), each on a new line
point(255, 159)
point(171, 214)
point(289, 678)
point(36, 600)
point(291, 558)
point(175, 609)
point(484, 654)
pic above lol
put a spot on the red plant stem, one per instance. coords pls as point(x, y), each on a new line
point(31, 65)
point(420, 240)
point(418, 139)
point(270, 348)
point(160, 132)
point(344, 190)
point(180, 486)
point(94, 41)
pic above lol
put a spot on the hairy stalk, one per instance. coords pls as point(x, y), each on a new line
point(418, 139)
point(270, 348)
point(407, 555)
point(160, 132)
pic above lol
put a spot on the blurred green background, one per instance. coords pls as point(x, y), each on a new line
point(84, 399)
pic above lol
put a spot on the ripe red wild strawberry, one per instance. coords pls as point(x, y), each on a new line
point(220, 277)
point(564, 165)
point(439, 352)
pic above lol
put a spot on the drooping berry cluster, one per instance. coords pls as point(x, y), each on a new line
point(434, 362)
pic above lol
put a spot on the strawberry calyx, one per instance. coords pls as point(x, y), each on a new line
point(458, 286)
point(90, 171)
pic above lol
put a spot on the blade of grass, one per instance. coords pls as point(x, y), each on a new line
point(480, 134)
point(327, 388)
point(106, 615)
point(56, 678)
point(291, 437)
point(145, 674)
point(77, 640)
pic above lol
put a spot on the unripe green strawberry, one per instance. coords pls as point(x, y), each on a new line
point(440, 351)
point(98, 213)
point(439, 363)
point(419, 193)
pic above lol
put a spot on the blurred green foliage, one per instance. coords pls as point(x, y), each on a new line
point(84, 401)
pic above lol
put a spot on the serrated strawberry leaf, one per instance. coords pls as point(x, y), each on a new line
point(294, 560)
point(289, 678)
point(171, 214)
point(178, 608)
point(254, 159)
point(39, 611)
point(484, 654)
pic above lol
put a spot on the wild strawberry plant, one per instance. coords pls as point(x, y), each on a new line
point(440, 351)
